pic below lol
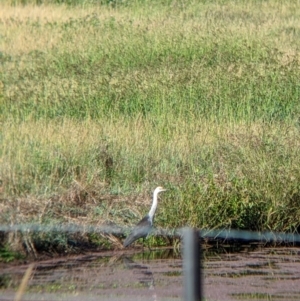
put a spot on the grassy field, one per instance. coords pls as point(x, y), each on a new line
point(100, 102)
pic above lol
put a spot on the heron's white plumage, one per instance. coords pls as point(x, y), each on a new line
point(143, 228)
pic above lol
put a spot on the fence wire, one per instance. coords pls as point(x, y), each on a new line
point(225, 234)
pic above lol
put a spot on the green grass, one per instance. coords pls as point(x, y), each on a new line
point(6, 255)
point(102, 102)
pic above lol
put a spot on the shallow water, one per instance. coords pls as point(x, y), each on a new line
point(262, 274)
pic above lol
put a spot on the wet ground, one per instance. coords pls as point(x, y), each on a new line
point(260, 274)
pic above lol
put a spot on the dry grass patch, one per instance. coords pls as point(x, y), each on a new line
point(30, 27)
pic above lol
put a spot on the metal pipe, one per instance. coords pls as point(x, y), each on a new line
point(191, 265)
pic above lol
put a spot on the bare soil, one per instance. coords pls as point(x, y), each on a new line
point(263, 274)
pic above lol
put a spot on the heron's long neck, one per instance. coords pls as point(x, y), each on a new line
point(154, 205)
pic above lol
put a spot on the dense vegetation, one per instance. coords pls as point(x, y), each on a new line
point(102, 101)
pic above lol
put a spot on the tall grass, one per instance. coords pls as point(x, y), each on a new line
point(107, 63)
point(100, 100)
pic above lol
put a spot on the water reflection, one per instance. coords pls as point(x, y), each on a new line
point(143, 272)
point(228, 275)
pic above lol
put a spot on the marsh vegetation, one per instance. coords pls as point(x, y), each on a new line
point(100, 102)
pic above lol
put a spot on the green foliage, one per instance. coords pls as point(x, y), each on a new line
point(6, 255)
point(100, 241)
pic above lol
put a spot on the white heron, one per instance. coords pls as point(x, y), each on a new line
point(143, 228)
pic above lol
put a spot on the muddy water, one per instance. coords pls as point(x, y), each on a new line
point(262, 274)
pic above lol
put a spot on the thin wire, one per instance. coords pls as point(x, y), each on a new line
point(265, 236)
point(226, 234)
